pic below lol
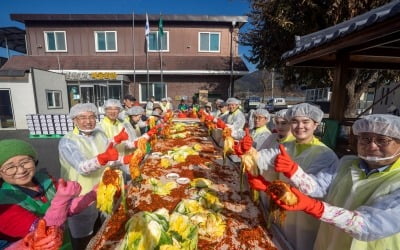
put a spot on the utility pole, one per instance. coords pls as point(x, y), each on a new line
point(272, 82)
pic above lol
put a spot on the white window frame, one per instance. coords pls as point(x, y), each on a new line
point(106, 50)
point(209, 33)
point(52, 92)
point(152, 90)
point(164, 50)
point(47, 43)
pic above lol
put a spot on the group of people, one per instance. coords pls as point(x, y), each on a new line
point(347, 203)
point(28, 196)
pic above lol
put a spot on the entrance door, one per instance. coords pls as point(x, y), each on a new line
point(87, 93)
point(6, 110)
point(100, 91)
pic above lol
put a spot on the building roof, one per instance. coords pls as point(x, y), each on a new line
point(24, 18)
point(125, 63)
point(13, 38)
point(375, 24)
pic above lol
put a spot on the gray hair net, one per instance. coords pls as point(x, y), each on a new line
point(262, 112)
point(156, 113)
point(382, 124)
point(233, 100)
point(79, 108)
point(112, 103)
point(307, 110)
point(281, 113)
point(135, 110)
point(219, 101)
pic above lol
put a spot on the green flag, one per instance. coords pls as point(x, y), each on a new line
point(160, 27)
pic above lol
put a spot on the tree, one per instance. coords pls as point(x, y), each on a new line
point(275, 24)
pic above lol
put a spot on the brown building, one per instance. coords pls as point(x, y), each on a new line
point(104, 55)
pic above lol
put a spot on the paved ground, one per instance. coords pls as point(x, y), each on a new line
point(47, 149)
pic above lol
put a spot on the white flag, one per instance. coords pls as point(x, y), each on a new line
point(147, 28)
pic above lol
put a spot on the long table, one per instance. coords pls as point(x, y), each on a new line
point(245, 224)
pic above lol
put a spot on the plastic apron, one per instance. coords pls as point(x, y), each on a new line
point(12, 195)
point(350, 190)
point(90, 147)
point(111, 129)
point(259, 136)
point(300, 228)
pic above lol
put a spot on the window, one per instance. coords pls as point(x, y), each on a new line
point(209, 41)
point(156, 89)
point(157, 42)
point(54, 99)
point(106, 41)
point(55, 41)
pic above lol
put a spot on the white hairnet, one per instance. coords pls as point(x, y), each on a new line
point(233, 100)
point(79, 108)
point(219, 101)
point(164, 99)
point(262, 112)
point(135, 110)
point(307, 110)
point(112, 103)
point(382, 124)
point(281, 113)
point(169, 99)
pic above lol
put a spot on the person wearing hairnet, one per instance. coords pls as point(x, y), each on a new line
point(84, 152)
point(217, 110)
point(260, 132)
point(235, 119)
point(362, 208)
point(28, 195)
point(306, 156)
point(135, 118)
point(281, 130)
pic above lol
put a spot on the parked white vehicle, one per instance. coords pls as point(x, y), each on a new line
point(276, 104)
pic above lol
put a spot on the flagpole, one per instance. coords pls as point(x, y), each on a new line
point(160, 35)
point(134, 55)
point(147, 31)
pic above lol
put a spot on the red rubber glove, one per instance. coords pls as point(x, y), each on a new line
point(247, 141)
point(285, 164)
point(111, 154)
point(221, 124)
point(182, 115)
point(305, 203)
point(209, 118)
point(237, 148)
point(257, 182)
point(121, 136)
point(127, 158)
point(46, 238)
point(152, 131)
point(57, 213)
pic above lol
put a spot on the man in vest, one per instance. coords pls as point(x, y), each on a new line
point(84, 153)
point(362, 208)
point(306, 156)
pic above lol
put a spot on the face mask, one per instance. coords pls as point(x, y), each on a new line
point(377, 158)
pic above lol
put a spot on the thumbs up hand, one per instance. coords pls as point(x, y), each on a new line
point(284, 163)
point(247, 141)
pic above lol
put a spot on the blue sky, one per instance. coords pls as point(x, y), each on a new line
point(200, 7)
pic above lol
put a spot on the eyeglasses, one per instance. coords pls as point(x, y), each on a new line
point(259, 117)
point(11, 170)
point(86, 118)
point(379, 141)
